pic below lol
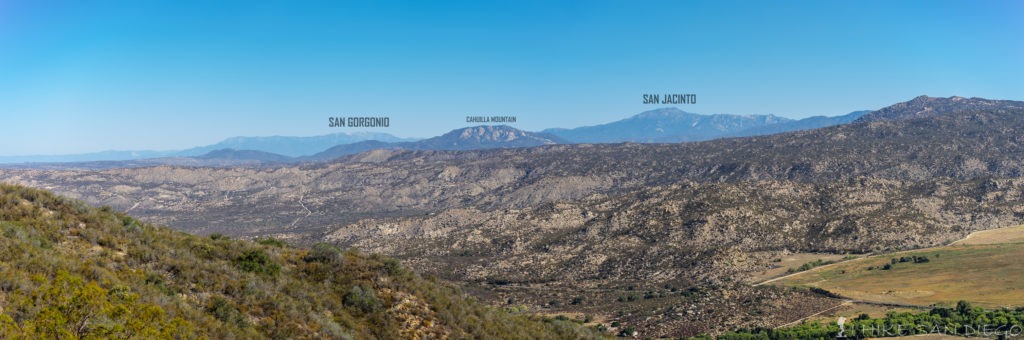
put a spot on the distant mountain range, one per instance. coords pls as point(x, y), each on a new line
point(672, 125)
point(293, 146)
point(111, 155)
point(471, 138)
point(808, 123)
point(282, 145)
point(665, 125)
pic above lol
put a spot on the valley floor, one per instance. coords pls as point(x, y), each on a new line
point(983, 269)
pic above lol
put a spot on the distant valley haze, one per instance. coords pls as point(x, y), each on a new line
point(85, 77)
point(663, 125)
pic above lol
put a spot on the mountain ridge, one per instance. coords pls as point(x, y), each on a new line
point(468, 138)
point(925, 106)
point(233, 154)
point(898, 150)
point(808, 123)
point(653, 130)
point(283, 145)
point(292, 146)
point(665, 125)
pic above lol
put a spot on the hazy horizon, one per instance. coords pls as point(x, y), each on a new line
point(82, 78)
point(355, 132)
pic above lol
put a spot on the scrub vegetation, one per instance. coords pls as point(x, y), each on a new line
point(71, 271)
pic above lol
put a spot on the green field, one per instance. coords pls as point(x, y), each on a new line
point(989, 275)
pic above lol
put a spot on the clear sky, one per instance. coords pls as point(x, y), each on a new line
point(83, 76)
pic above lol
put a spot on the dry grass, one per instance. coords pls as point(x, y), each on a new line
point(994, 236)
point(985, 269)
point(854, 309)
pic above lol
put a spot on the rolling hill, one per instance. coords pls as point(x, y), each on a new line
point(69, 270)
point(507, 223)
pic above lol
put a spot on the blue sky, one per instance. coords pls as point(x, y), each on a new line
point(81, 76)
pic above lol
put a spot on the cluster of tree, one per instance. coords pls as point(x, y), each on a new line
point(914, 259)
point(71, 271)
point(962, 320)
point(809, 265)
point(903, 259)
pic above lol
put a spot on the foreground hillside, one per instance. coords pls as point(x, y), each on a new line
point(68, 270)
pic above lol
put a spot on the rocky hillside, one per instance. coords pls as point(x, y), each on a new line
point(68, 270)
point(536, 226)
point(707, 233)
point(485, 137)
point(406, 183)
point(925, 106)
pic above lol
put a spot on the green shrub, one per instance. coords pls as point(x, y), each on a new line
point(319, 293)
point(257, 261)
point(362, 298)
point(224, 311)
point(323, 252)
point(273, 242)
point(393, 267)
